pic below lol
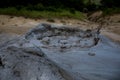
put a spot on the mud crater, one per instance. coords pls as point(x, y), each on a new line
point(62, 37)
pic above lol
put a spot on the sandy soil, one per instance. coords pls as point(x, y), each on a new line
point(20, 25)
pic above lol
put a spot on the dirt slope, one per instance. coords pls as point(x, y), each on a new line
point(20, 25)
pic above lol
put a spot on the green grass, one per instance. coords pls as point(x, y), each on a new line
point(42, 14)
point(110, 11)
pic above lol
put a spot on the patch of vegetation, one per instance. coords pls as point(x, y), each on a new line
point(57, 8)
point(110, 11)
point(42, 14)
point(50, 20)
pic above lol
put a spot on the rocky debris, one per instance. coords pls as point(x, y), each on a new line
point(91, 54)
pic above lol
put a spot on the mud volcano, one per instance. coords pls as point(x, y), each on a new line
point(52, 52)
point(62, 38)
point(84, 54)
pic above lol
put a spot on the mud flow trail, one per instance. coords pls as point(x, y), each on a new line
point(55, 52)
point(85, 54)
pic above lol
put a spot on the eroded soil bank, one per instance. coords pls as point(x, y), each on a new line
point(20, 25)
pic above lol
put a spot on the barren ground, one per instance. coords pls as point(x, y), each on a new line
point(20, 25)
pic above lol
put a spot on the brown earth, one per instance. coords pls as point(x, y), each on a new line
point(20, 25)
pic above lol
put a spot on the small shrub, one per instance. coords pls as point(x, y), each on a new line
point(50, 20)
point(62, 21)
point(58, 13)
point(72, 10)
point(110, 11)
point(11, 17)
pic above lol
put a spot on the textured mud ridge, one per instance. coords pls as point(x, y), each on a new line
point(23, 58)
point(28, 64)
point(20, 62)
point(62, 37)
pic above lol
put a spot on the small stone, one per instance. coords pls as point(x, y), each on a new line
point(91, 54)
